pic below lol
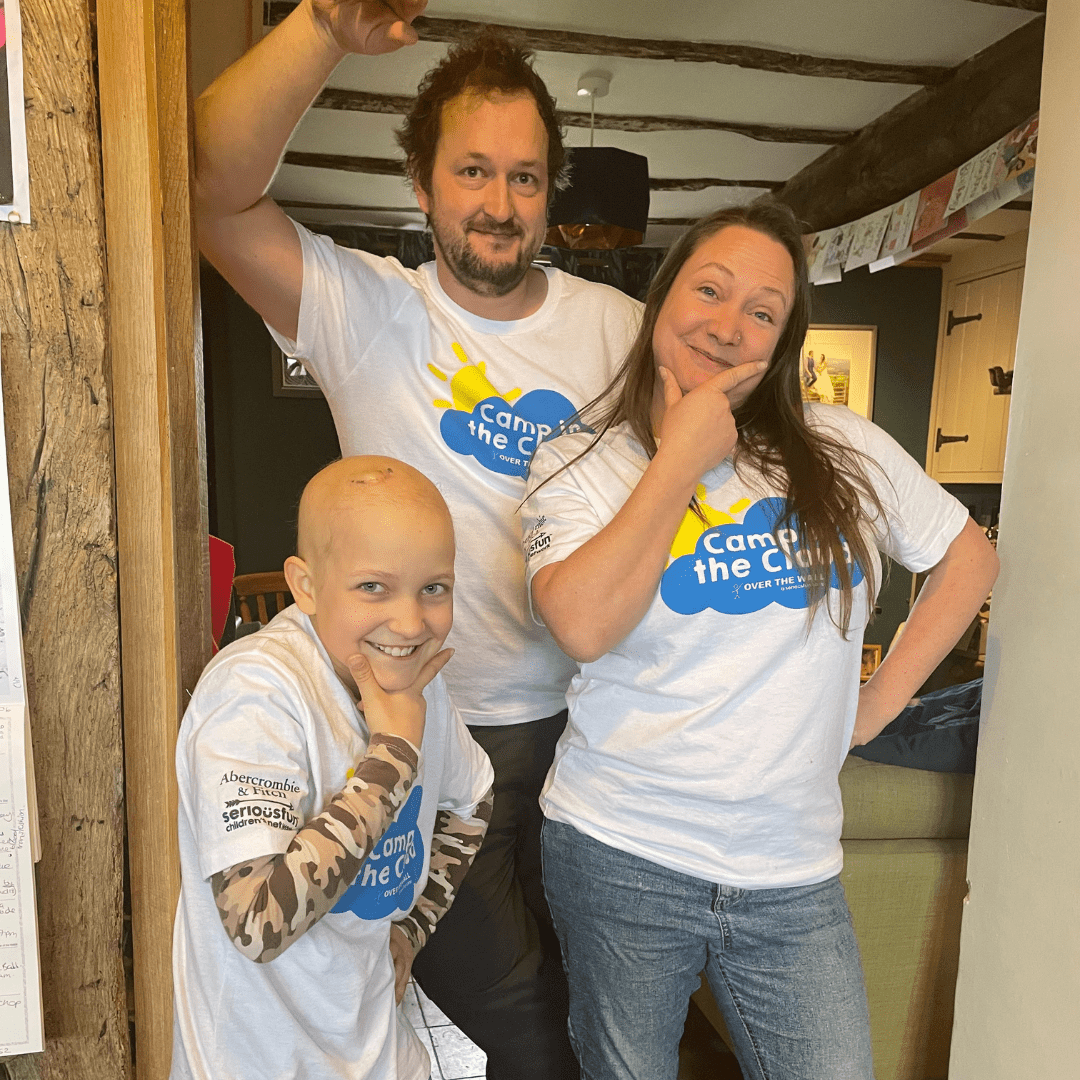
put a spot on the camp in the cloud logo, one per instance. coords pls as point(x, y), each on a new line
point(500, 430)
point(742, 567)
point(501, 436)
point(389, 875)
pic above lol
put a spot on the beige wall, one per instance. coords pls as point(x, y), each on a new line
point(1018, 995)
point(220, 33)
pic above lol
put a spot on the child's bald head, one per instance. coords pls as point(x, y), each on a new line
point(354, 487)
point(375, 566)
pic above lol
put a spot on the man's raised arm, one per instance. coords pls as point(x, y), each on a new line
point(242, 123)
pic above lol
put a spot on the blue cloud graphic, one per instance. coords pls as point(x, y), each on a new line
point(737, 569)
point(389, 875)
point(501, 436)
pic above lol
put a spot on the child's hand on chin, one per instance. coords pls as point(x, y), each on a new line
point(396, 712)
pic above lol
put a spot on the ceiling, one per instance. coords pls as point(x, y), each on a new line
point(939, 33)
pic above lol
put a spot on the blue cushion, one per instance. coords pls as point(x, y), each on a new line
point(939, 732)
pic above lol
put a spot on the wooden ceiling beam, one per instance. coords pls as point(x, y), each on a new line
point(1023, 5)
point(429, 28)
point(925, 136)
point(346, 163)
point(399, 104)
point(308, 204)
point(394, 167)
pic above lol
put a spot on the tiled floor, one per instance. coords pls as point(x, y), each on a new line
point(702, 1055)
point(453, 1055)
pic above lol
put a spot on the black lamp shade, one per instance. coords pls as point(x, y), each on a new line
point(607, 199)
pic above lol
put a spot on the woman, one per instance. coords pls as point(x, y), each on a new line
point(823, 386)
point(693, 811)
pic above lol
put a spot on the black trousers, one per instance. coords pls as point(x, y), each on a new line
point(493, 964)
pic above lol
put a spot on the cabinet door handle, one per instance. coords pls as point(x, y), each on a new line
point(958, 320)
point(943, 439)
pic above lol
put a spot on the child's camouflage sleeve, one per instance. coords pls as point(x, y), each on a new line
point(454, 845)
point(267, 903)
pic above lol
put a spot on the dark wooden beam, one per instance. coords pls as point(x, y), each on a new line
point(708, 52)
point(306, 204)
point(700, 183)
point(346, 163)
point(395, 167)
point(399, 104)
point(925, 136)
point(361, 101)
point(1023, 5)
point(925, 259)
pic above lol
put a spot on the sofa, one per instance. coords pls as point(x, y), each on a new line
point(905, 861)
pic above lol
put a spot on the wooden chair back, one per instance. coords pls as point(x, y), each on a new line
point(256, 588)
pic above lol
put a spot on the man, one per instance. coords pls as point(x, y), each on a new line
point(459, 368)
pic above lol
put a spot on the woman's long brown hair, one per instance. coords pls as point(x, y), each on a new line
point(830, 499)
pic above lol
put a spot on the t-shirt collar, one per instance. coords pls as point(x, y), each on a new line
point(494, 326)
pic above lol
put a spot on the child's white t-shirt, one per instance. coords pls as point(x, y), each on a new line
point(409, 373)
point(709, 740)
point(270, 736)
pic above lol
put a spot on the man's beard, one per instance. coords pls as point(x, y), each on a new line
point(475, 273)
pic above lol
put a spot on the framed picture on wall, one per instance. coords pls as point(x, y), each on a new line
point(290, 377)
point(871, 657)
point(838, 367)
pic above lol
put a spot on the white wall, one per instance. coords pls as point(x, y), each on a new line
point(1018, 995)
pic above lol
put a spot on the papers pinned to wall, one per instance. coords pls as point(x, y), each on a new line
point(869, 232)
point(995, 176)
point(21, 1030)
point(14, 170)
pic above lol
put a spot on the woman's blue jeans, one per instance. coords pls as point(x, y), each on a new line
point(783, 965)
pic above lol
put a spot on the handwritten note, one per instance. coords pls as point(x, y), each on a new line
point(20, 985)
point(21, 1029)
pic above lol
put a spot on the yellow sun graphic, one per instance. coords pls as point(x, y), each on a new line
point(692, 527)
point(469, 386)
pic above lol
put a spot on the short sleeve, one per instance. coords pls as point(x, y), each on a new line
point(557, 516)
point(921, 518)
point(348, 297)
point(467, 772)
point(243, 762)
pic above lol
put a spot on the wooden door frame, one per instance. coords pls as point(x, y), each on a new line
point(159, 438)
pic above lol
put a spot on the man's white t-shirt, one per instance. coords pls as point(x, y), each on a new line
point(270, 736)
point(709, 740)
point(410, 374)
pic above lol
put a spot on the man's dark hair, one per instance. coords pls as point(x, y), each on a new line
point(489, 61)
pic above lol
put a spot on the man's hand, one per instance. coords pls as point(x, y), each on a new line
point(401, 952)
point(368, 26)
point(397, 712)
point(699, 425)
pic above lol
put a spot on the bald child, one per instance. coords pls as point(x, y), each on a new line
point(331, 799)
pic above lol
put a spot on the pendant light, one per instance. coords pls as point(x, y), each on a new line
point(606, 204)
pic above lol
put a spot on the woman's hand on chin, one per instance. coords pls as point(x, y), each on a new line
point(699, 426)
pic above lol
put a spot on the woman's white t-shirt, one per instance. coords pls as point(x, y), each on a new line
point(709, 740)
